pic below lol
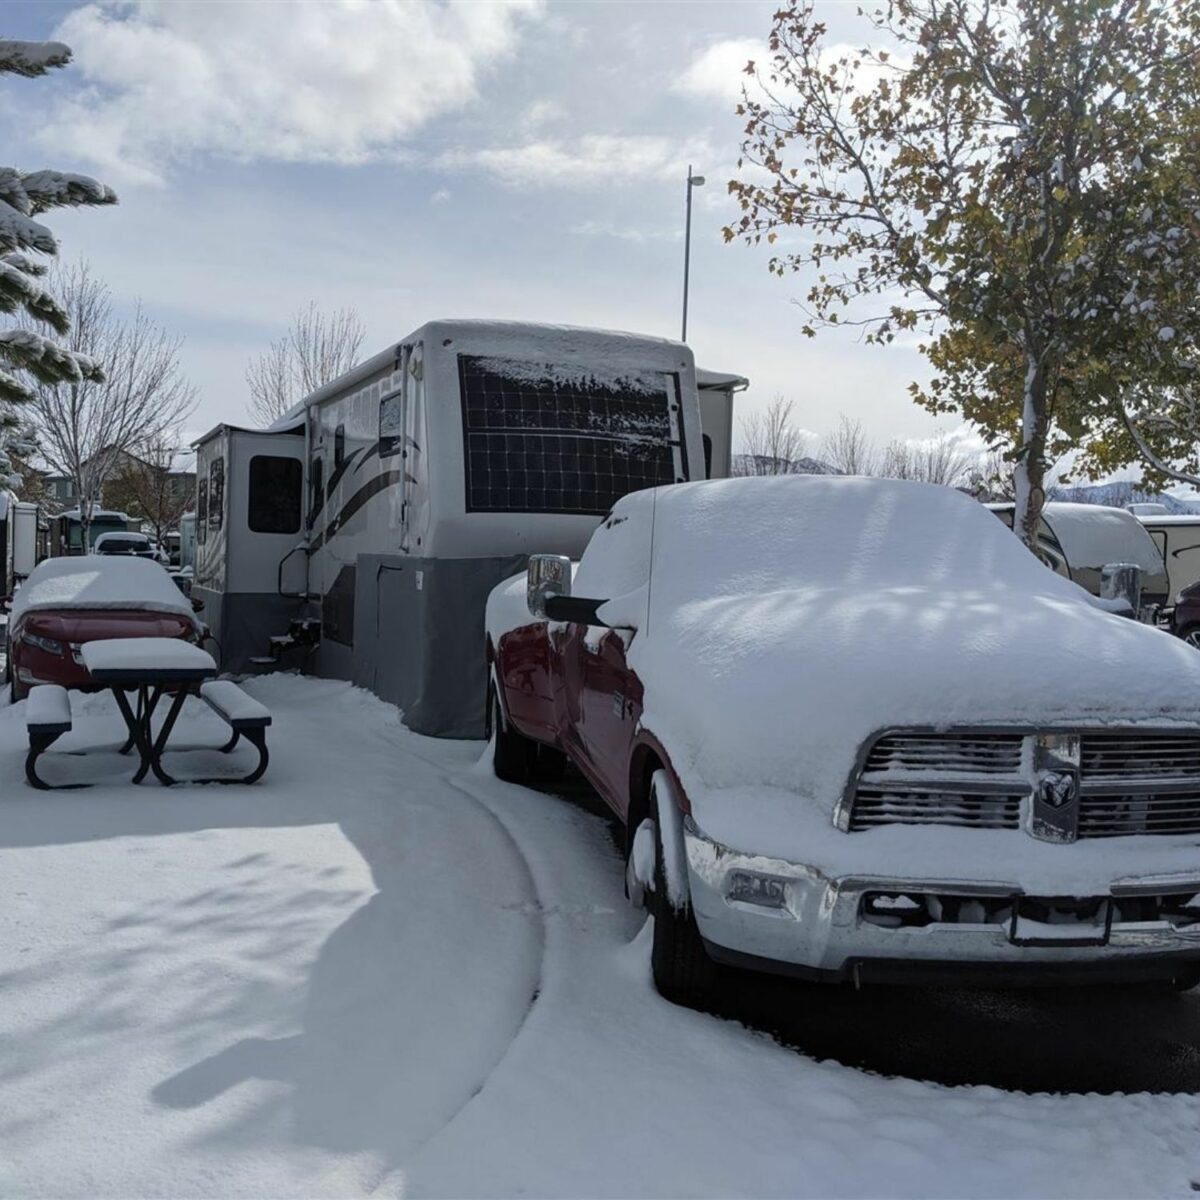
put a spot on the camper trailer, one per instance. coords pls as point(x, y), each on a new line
point(359, 535)
point(18, 540)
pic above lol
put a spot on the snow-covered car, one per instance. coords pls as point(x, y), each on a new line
point(66, 602)
point(856, 731)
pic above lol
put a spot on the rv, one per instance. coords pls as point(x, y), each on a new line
point(1178, 540)
point(18, 540)
point(360, 535)
point(66, 530)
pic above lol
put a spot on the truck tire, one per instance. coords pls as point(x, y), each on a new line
point(513, 755)
point(683, 972)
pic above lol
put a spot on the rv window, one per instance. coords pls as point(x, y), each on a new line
point(216, 493)
point(704, 437)
point(391, 424)
point(202, 511)
point(339, 447)
point(276, 484)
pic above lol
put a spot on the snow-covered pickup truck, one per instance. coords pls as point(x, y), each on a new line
point(856, 731)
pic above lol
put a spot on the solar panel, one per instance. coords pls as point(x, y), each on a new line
point(542, 437)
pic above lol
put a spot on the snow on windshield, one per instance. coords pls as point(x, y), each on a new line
point(760, 534)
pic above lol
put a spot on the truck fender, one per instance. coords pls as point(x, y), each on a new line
point(670, 833)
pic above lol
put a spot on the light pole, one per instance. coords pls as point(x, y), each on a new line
point(693, 181)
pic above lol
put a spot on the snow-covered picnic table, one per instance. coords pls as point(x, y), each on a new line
point(150, 667)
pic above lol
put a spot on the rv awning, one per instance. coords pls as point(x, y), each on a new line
point(718, 381)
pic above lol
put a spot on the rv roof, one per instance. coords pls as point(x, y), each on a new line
point(1168, 518)
point(216, 430)
point(542, 337)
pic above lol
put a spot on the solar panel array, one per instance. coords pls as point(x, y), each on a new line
point(537, 441)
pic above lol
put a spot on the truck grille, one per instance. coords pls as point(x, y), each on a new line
point(1129, 782)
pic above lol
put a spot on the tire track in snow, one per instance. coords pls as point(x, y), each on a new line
point(371, 1180)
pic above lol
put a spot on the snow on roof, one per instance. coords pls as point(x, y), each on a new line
point(1168, 518)
point(116, 582)
point(516, 337)
point(73, 514)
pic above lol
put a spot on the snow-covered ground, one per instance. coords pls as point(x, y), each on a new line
point(380, 970)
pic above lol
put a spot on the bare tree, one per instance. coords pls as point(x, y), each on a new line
point(772, 443)
point(849, 448)
point(86, 426)
point(939, 460)
point(147, 485)
point(316, 348)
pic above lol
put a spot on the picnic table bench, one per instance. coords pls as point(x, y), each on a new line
point(150, 668)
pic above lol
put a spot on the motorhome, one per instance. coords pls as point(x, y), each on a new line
point(67, 530)
point(18, 540)
point(1178, 540)
point(360, 534)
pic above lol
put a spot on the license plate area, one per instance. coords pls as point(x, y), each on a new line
point(1061, 921)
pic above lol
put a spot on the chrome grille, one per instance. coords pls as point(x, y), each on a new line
point(1139, 784)
point(874, 806)
point(990, 754)
point(963, 779)
point(1131, 782)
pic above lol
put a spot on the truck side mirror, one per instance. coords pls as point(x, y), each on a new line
point(547, 575)
point(1123, 582)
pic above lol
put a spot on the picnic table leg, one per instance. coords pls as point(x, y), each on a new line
point(131, 740)
point(160, 743)
point(137, 728)
point(38, 743)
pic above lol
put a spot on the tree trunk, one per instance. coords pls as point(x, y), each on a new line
point(1029, 478)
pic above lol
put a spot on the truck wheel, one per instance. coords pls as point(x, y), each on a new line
point(683, 972)
point(513, 756)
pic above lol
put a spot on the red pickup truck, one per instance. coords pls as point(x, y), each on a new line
point(856, 731)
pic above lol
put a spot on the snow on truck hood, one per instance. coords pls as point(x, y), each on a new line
point(114, 583)
point(793, 617)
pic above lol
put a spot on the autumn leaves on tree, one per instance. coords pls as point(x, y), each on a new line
point(1013, 183)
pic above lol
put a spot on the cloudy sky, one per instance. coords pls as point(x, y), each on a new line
point(523, 160)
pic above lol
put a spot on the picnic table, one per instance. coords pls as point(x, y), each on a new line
point(149, 668)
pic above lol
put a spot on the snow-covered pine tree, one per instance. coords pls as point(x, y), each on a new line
point(24, 196)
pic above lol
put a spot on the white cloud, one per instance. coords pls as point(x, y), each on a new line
point(342, 81)
point(719, 72)
point(441, 196)
point(609, 229)
point(580, 162)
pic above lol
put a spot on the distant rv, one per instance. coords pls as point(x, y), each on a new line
point(1177, 537)
point(360, 534)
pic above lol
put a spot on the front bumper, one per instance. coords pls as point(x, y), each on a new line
point(793, 919)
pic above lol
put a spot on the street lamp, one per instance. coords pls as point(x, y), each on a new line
point(693, 181)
